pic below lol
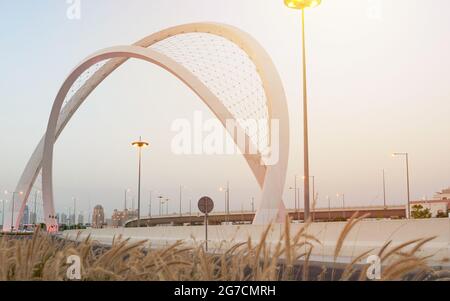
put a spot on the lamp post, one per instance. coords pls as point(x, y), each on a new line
point(125, 198)
point(181, 197)
point(227, 200)
point(384, 190)
point(167, 206)
point(139, 144)
point(302, 5)
point(160, 204)
point(150, 205)
point(343, 204)
point(329, 207)
point(406, 155)
point(313, 190)
point(3, 212)
point(295, 193)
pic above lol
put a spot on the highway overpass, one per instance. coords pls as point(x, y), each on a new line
point(318, 215)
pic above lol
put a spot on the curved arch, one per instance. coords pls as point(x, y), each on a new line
point(271, 205)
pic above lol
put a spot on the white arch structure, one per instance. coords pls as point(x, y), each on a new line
point(271, 178)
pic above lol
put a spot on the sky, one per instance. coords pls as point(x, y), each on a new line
point(378, 79)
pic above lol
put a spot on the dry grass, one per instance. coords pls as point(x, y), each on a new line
point(43, 257)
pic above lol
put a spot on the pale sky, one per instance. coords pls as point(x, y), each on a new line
point(378, 83)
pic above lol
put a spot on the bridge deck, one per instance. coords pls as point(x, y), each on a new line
point(247, 217)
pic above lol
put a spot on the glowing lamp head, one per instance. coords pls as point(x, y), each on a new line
point(140, 144)
point(302, 4)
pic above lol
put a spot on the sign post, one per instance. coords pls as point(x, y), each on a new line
point(206, 206)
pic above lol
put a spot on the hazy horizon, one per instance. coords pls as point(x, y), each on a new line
point(378, 84)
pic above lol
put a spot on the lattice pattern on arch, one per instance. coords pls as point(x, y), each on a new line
point(228, 72)
point(224, 68)
point(81, 81)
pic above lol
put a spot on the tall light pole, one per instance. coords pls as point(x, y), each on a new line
point(160, 204)
point(125, 199)
point(329, 207)
point(384, 190)
point(167, 206)
point(3, 211)
point(150, 205)
point(227, 200)
point(343, 204)
point(313, 190)
point(302, 5)
point(406, 155)
point(181, 197)
point(295, 193)
point(139, 144)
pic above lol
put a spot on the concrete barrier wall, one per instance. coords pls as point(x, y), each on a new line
point(365, 236)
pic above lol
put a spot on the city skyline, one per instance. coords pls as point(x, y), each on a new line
point(351, 139)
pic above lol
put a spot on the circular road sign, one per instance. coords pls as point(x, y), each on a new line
point(205, 205)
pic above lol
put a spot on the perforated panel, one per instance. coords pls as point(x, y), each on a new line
point(228, 72)
point(81, 81)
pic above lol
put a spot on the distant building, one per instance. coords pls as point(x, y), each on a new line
point(119, 218)
point(26, 216)
point(64, 219)
point(444, 195)
point(98, 217)
point(33, 218)
point(439, 204)
point(81, 219)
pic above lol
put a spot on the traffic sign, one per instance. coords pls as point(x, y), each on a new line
point(205, 205)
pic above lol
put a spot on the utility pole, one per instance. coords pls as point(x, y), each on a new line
point(181, 196)
point(150, 205)
point(384, 190)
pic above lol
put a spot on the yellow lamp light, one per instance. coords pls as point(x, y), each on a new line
point(302, 4)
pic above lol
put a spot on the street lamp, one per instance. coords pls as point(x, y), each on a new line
point(12, 207)
point(125, 198)
point(406, 155)
point(139, 144)
point(295, 192)
point(150, 205)
point(167, 206)
point(160, 204)
point(384, 190)
point(302, 5)
point(3, 211)
point(343, 204)
point(181, 197)
point(227, 200)
point(313, 191)
point(329, 207)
